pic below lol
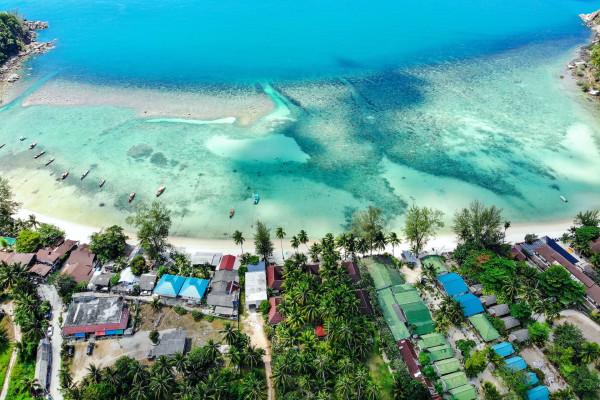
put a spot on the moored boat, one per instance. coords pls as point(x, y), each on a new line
point(22, 138)
point(2, 145)
point(256, 198)
point(102, 182)
point(160, 190)
point(85, 173)
point(231, 213)
point(32, 145)
point(50, 161)
point(38, 155)
point(563, 198)
point(131, 196)
point(65, 174)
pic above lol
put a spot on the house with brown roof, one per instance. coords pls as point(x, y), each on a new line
point(364, 304)
point(275, 277)
point(274, 316)
point(25, 259)
point(82, 255)
point(79, 272)
point(53, 255)
point(40, 271)
point(595, 245)
point(353, 271)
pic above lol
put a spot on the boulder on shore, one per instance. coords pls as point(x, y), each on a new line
point(13, 78)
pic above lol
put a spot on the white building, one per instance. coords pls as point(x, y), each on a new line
point(256, 289)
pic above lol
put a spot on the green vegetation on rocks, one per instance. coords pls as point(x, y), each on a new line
point(12, 35)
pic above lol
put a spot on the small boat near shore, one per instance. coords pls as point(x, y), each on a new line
point(563, 198)
point(2, 145)
point(256, 198)
point(38, 155)
point(32, 145)
point(49, 161)
point(131, 196)
point(85, 173)
point(65, 174)
point(102, 182)
point(231, 213)
point(22, 138)
point(160, 190)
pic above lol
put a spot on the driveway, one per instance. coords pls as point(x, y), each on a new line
point(590, 329)
point(48, 292)
point(534, 357)
point(254, 327)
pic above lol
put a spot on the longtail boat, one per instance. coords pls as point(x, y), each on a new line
point(38, 155)
point(256, 198)
point(85, 173)
point(131, 196)
point(2, 145)
point(102, 182)
point(65, 174)
point(160, 190)
point(231, 213)
point(50, 161)
point(32, 145)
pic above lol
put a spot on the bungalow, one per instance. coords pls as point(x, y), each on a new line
point(503, 349)
point(447, 366)
point(538, 393)
point(364, 304)
point(510, 322)
point(54, 255)
point(193, 289)
point(431, 340)
point(454, 380)
point(440, 352)
point(147, 283)
point(227, 262)
point(320, 331)
point(101, 281)
point(275, 278)
point(488, 300)
point(171, 343)
point(41, 271)
point(274, 316)
point(452, 284)
point(498, 310)
point(476, 289)
point(169, 285)
point(82, 255)
point(519, 256)
point(25, 259)
point(519, 336)
point(470, 303)
point(224, 293)
point(465, 392)
point(79, 272)
point(409, 259)
point(516, 363)
point(484, 327)
point(353, 271)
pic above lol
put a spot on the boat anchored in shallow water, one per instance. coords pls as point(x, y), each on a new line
point(131, 196)
point(50, 161)
point(160, 190)
point(85, 173)
point(32, 145)
point(38, 155)
point(231, 213)
point(102, 182)
point(65, 174)
point(22, 138)
point(2, 145)
point(256, 198)
point(563, 198)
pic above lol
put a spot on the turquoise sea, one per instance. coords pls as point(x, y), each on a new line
point(322, 107)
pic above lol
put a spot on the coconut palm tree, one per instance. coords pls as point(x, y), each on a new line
point(342, 242)
point(65, 378)
point(156, 304)
point(162, 386)
point(111, 376)
point(29, 385)
point(139, 391)
point(380, 241)
point(280, 234)
point(394, 240)
point(511, 287)
point(253, 356)
point(180, 362)
point(139, 373)
point(230, 333)
point(94, 375)
point(238, 239)
point(315, 250)
point(32, 222)
point(295, 242)
point(344, 386)
point(362, 246)
point(303, 238)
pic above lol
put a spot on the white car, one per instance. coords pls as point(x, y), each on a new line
point(50, 331)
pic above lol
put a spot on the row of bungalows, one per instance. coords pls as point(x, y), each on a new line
point(276, 284)
point(546, 252)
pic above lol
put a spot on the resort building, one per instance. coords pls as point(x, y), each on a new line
point(470, 303)
point(488, 300)
point(484, 327)
point(465, 392)
point(275, 278)
point(255, 289)
point(454, 380)
point(43, 364)
point(409, 259)
point(364, 304)
point(431, 340)
point(82, 255)
point(410, 358)
point(274, 316)
point(227, 262)
point(452, 284)
point(499, 310)
point(100, 281)
point(477, 289)
point(53, 255)
point(516, 363)
point(193, 289)
point(224, 293)
point(503, 349)
point(538, 393)
point(25, 259)
point(169, 285)
point(353, 271)
point(170, 343)
point(519, 336)
point(79, 272)
point(440, 352)
point(100, 316)
point(510, 322)
point(201, 258)
point(40, 271)
point(595, 245)
point(447, 366)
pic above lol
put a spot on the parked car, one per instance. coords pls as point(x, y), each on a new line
point(50, 331)
point(90, 349)
point(70, 350)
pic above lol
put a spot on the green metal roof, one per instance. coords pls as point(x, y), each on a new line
point(465, 392)
point(484, 327)
point(405, 287)
point(416, 312)
point(431, 340)
point(408, 297)
point(448, 366)
point(455, 379)
point(425, 327)
point(389, 308)
point(441, 352)
point(437, 261)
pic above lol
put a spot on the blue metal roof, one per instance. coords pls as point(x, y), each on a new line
point(256, 267)
point(471, 304)
point(538, 393)
point(194, 288)
point(503, 349)
point(80, 334)
point(409, 256)
point(453, 284)
point(516, 363)
point(530, 248)
point(169, 285)
point(532, 379)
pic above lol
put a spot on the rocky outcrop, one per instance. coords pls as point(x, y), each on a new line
point(584, 72)
point(36, 25)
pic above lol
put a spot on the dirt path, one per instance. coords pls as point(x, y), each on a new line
point(254, 328)
point(13, 357)
point(590, 329)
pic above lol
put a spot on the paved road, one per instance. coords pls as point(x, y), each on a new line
point(48, 292)
point(591, 330)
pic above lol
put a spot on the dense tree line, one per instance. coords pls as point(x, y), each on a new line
point(12, 35)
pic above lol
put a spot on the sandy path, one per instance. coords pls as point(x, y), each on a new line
point(254, 328)
point(13, 357)
point(591, 330)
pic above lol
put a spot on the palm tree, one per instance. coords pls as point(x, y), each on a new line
point(529, 294)
point(66, 380)
point(342, 242)
point(32, 221)
point(180, 362)
point(394, 240)
point(238, 238)
point(344, 385)
point(315, 250)
point(254, 389)
point(380, 241)
point(94, 375)
point(162, 386)
point(139, 374)
point(280, 234)
point(29, 385)
point(362, 246)
point(295, 242)
point(230, 334)
point(111, 376)
point(303, 238)
point(511, 287)
point(156, 304)
point(253, 356)
point(590, 352)
point(139, 391)
point(361, 378)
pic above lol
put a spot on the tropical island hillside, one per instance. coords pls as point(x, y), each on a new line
point(13, 35)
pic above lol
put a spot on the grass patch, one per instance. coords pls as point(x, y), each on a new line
point(5, 353)
point(381, 374)
point(20, 371)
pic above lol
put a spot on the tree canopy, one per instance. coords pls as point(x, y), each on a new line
point(153, 223)
point(109, 243)
point(421, 223)
point(12, 34)
point(556, 282)
point(8, 205)
point(368, 224)
point(480, 224)
point(262, 240)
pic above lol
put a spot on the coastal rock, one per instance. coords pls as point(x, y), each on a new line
point(589, 18)
point(36, 25)
point(13, 78)
point(594, 92)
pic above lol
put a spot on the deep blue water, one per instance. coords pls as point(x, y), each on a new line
point(239, 41)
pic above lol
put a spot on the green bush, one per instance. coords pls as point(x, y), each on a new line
point(138, 265)
point(265, 307)
point(465, 346)
point(197, 315)
point(136, 290)
point(424, 358)
point(153, 336)
point(210, 318)
point(179, 310)
point(114, 280)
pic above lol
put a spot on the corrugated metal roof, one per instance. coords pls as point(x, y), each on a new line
point(484, 327)
point(516, 363)
point(455, 379)
point(503, 349)
point(471, 304)
point(538, 393)
point(431, 340)
point(441, 352)
point(465, 392)
point(194, 288)
point(447, 366)
point(169, 285)
point(453, 284)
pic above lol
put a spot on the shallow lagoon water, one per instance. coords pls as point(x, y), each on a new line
point(475, 115)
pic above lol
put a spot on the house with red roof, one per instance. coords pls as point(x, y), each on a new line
point(274, 316)
point(364, 304)
point(79, 272)
point(275, 277)
point(320, 331)
point(227, 262)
